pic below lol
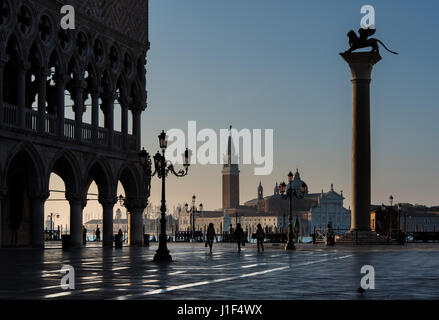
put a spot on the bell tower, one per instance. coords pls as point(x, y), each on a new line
point(230, 178)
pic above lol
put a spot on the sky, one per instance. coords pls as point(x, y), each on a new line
point(261, 64)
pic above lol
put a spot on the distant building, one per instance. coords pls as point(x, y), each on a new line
point(313, 210)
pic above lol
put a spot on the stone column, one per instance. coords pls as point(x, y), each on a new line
point(37, 211)
point(60, 80)
point(107, 221)
point(95, 113)
point(42, 78)
point(2, 195)
point(124, 125)
point(137, 129)
point(22, 69)
point(78, 90)
point(108, 99)
point(3, 61)
point(76, 206)
point(135, 210)
point(361, 65)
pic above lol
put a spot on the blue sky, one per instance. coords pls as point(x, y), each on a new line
point(275, 64)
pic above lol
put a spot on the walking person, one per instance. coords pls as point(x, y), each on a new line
point(210, 235)
point(84, 235)
point(239, 235)
point(260, 236)
point(98, 234)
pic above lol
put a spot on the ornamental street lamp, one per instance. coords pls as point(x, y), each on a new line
point(52, 223)
point(193, 211)
point(289, 194)
point(162, 168)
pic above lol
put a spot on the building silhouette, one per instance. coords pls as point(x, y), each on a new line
point(45, 74)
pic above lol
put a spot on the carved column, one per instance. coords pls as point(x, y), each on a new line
point(37, 212)
point(22, 69)
point(361, 65)
point(78, 91)
point(95, 113)
point(107, 221)
point(60, 81)
point(42, 78)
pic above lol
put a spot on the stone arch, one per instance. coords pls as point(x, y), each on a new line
point(129, 178)
point(66, 165)
point(34, 155)
point(26, 190)
point(99, 171)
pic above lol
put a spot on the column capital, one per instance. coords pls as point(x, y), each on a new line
point(96, 92)
point(24, 65)
point(4, 58)
point(39, 196)
point(76, 198)
point(44, 72)
point(3, 192)
point(108, 201)
point(109, 95)
point(135, 205)
point(125, 101)
point(61, 78)
point(78, 84)
point(361, 63)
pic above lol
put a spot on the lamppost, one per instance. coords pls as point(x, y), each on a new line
point(52, 223)
point(193, 211)
point(390, 215)
point(289, 194)
point(162, 168)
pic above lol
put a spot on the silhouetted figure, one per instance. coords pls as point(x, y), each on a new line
point(260, 236)
point(210, 235)
point(239, 236)
point(98, 234)
point(84, 235)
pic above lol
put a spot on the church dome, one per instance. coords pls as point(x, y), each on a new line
point(298, 184)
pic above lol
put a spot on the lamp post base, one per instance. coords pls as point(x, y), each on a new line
point(162, 256)
point(289, 246)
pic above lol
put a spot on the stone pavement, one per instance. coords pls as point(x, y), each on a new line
point(310, 272)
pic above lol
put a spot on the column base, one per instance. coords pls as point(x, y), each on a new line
point(107, 244)
point(289, 246)
point(162, 256)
